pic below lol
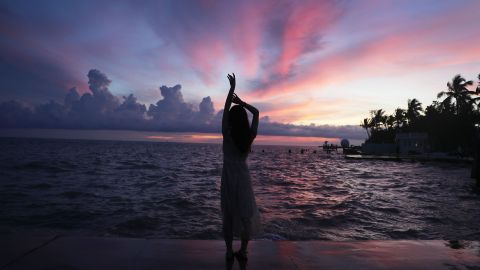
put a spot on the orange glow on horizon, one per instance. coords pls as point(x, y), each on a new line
point(259, 140)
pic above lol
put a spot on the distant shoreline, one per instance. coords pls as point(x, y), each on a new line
point(150, 136)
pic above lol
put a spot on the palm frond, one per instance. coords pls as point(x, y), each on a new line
point(441, 94)
point(469, 83)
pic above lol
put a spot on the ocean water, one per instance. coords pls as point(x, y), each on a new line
point(172, 190)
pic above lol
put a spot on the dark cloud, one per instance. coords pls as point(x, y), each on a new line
point(172, 113)
point(72, 97)
point(15, 114)
point(206, 111)
point(28, 69)
point(171, 108)
point(50, 115)
point(102, 110)
point(28, 76)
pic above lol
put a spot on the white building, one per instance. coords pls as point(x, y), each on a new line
point(411, 142)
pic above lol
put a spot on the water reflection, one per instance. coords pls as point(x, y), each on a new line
point(171, 190)
point(241, 263)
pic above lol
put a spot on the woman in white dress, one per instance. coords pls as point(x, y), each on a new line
point(239, 210)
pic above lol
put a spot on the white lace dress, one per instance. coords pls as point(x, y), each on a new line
point(237, 197)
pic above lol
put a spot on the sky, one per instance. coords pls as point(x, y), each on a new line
point(312, 68)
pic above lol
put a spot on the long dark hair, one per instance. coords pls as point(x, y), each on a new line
point(240, 128)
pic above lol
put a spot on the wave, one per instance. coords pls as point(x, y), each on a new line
point(166, 191)
point(42, 166)
point(72, 194)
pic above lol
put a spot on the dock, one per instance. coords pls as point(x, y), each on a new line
point(82, 252)
point(424, 158)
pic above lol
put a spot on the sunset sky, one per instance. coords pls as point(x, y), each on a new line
point(325, 63)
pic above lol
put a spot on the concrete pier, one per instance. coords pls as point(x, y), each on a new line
point(74, 252)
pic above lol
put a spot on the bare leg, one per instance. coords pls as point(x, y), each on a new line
point(228, 234)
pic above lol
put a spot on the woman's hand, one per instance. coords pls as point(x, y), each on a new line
point(237, 100)
point(231, 79)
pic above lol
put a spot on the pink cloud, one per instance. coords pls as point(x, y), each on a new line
point(302, 32)
point(287, 50)
point(262, 39)
point(204, 57)
point(434, 44)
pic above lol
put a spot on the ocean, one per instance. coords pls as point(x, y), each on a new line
point(172, 190)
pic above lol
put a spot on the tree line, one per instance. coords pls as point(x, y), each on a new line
point(450, 121)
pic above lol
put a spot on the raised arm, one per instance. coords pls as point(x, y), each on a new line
point(253, 110)
point(228, 103)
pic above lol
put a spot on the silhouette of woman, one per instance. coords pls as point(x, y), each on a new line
point(239, 209)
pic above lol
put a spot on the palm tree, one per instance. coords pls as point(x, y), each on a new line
point(476, 100)
point(413, 110)
point(457, 91)
point(390, 121)
point(478, 85)
point(366, 124)
point(477, 91)
point(399, 117)
point(378, 118)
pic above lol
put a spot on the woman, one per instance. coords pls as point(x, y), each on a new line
point(239, 210)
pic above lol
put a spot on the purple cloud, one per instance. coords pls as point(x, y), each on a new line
point(100, 109)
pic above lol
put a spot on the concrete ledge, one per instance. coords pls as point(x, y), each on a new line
point(70, 252)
